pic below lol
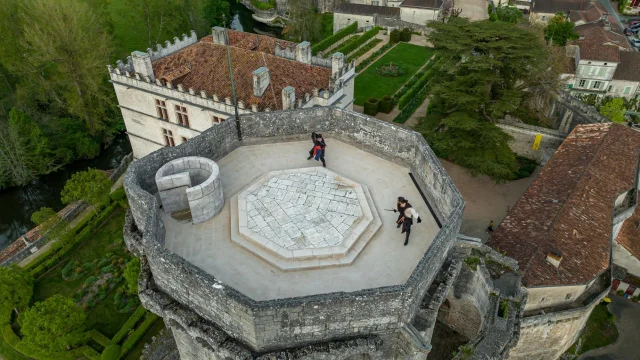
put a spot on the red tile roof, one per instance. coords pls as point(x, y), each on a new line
point(629, 236)
point(569, 207)
point(597, 43)
point(208, 70)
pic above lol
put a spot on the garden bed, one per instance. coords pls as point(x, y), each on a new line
point(370, 84)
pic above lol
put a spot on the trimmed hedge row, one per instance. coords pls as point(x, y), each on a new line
point(371, 106)
point(130, 324)
point(370, 45)
point(326, 43)
point(376, 54)
point(405, 35)
point(137, 335)
point(97, 336)
point(111, 352)
point(352, 39)
point(386, 104)
point(406, 113)
point(59, 250)
point(352, 46)
point(413, 90)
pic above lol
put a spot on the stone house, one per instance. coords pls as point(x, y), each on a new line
point(540, 11)
point(365, 14)
point(412, 14)
point(601, 62)
point(561, 232)
point(170, 95)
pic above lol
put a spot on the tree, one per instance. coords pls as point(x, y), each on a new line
point(510, 14)
point(159, 17)
point(131, 273)
point(560, 30)
point(24, 150)
point(303, 23)
point(54, 325)
point(91, 186)
point(16, 287)
point(214, 10)
point(51, 224)
point(614, 109)
point(486, 67)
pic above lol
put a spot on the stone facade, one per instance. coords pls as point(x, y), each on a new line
point(217, 318)
point(524, 137)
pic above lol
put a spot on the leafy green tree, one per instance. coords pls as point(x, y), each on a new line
point(91, 186)
point(160, 18)
point(304, 24)
point(131, 273)
point(214, 10)
point(51, 224)
point(510, 14)
point(614, 109)
point(560, 30)
point(486, 67)
point(16, 287)
point(53, 326)
point(24, 150)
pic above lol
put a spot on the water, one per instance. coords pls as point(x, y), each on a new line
point(18, 203)
point(243, 21)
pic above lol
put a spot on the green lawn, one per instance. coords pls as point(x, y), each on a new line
point(409, 57)
point(599, 331)
point(103, 317)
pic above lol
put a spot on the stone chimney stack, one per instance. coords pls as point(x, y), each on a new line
point(288, 98)
point(261, 80)
point(337, 64)
point(142, 64)
point(303, 52)
point(218, 35)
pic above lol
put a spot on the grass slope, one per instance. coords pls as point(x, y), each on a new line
point(598, 332)
point(103, 317)
point(409, 57)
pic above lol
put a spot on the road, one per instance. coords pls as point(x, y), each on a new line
point(612, 11)
point(627, 347)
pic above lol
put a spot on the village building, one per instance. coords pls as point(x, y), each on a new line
point(562, 229)
point(173, 93)
point(541, 11)
point(413, 14)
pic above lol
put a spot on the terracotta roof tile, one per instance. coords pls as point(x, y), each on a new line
point(599, 44)
point(629, 236)
point(569, 207)
point(629, 66)
point(209, 70)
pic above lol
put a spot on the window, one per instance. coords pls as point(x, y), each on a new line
point(568, 297)
point(610, 88)
point(627, 90)
point(592, 70)
point(596, 85)
point(602, 71)
point(217, 120)
point(184, 139)
point(168, 137)
point(161, 109)
point(181, 114)
point(582, 83)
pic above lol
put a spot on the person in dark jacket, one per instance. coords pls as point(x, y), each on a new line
point(313, 141)
point(406, 218)
point(401, 205)
point(318, 150)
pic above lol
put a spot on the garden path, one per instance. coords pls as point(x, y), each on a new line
point(385, 40)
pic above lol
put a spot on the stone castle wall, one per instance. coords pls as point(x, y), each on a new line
point(524, 136)
point(275, 324)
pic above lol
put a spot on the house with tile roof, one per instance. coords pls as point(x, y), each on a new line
point(601, 61)
point(177, 91)
point(541, 11)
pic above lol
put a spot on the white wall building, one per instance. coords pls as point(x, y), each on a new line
point(172, 94)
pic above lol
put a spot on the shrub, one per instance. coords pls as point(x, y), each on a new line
point(130, 324)
point(376, 54)
point(351, 46)
point(394, 37)
point(111, 352)
point(117, 194)
point(389, 70)
point(263, 5)
point(104, 262)
point(370, 45)
point(326, 43)
point(137, 335)
point(371, 106)
point(90, 280)
point(620, 292)
point(386, 104)
point(473, 262)
point(405, 35)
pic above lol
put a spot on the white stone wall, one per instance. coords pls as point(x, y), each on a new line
point(418, 16)
point(623, 258)
point(623, 88)
point(340, 21)
point(543, 297)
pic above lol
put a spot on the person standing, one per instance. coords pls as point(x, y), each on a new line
point(409, 215)
point(490, 227)
point(401, 205)
point(313, 141)
point(319, 149)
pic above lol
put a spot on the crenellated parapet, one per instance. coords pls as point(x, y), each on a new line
point(169, 47)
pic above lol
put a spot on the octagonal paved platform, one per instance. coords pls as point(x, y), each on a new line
point(383, 261)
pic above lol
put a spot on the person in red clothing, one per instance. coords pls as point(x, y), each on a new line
point(318, 149)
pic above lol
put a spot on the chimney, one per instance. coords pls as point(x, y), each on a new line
point(303, 52)
point(261, 81)
point(142, 64)
point(218, 35)
point(288, 98)
point(337, 64)
point(554, 257)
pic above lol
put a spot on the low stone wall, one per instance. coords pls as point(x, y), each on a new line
point(524, 137)
point(570, 112)
point(275, 324)
point(124, 164)
point(388, 22)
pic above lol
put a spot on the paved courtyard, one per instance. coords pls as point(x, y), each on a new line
point(384, 261)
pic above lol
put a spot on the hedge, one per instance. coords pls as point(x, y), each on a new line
point(386, 104)
point(137, 335)
point(413, 91)
point(117, 194)
point(370, 45)
point(405, 35)
point(9, 336)
point(376, 54)
point(326, 43)
point(59, 250)
point(111, 352)
point(406, 113)
point(394, 37)
point(352, 46)
point(261, 5)
point(130, 324)
point(371, 106)
point(99, 338)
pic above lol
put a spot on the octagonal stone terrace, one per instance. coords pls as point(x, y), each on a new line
point(217, 247)
point(304, 218)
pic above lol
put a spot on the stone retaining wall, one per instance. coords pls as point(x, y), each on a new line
point(524, 136)
point(283, 323)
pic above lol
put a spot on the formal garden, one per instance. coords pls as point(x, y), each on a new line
point(79, 297)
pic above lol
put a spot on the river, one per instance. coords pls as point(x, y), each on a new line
point(17, 204)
